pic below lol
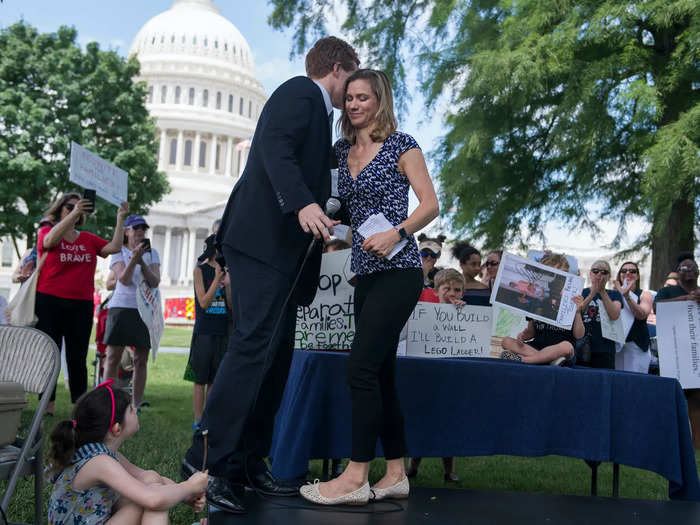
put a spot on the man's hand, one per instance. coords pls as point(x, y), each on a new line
point(313, 220)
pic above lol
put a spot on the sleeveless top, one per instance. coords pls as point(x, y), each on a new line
point(639, 333)
point(68, 506)
point(213, 320)
point(379, 188)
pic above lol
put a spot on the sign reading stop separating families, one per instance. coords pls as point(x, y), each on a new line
point(93, 172)
point(445, 330)
point(677, 325)
point(329, 322)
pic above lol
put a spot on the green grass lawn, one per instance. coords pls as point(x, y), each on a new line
point(172, 336)
point(165, 435)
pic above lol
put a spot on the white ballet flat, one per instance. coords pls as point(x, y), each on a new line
point(311, 493)
point(398, 491)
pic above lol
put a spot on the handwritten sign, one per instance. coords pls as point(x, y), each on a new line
point(677, 324)
point(151, 312)
point(328, 323)
point(92, 172)
point(445, 330)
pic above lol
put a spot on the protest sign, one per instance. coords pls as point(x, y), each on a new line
point(92, 172)
point(618, 329)
point(536, 291)
point(536, 255)
point(149, 306)
point(446, 330)
point(507, 323)
point(676, 334)
point(328, 323)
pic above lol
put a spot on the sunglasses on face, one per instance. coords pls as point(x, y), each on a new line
point(492, 263)
point(633, 271)
point(427, 253)
point(687, 269)
point(596, 271)
point(69, 206)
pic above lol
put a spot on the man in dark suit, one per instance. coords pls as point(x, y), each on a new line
point(269, 220)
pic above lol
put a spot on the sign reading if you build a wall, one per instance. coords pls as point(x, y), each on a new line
point(445, 330)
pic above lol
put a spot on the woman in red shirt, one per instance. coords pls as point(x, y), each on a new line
point(66, 282)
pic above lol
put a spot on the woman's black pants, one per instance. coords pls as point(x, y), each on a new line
point(69, 319)
point(383, 303)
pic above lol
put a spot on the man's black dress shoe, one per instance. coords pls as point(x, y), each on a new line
point(221, 493)
point(264, 482)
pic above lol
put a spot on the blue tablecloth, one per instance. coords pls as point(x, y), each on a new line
point(476, 407)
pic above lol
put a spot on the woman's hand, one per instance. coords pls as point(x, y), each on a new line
point(81, 207)
point(123, 210)
point(138, 252)
point(578, 300)
point(381, 244)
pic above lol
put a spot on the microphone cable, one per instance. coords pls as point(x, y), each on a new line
point(332, 207)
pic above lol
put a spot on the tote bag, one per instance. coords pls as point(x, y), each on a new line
point(21, 307)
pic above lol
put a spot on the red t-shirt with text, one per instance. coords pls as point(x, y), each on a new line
point(69, 268)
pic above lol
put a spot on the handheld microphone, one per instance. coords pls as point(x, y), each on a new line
point(332, 207)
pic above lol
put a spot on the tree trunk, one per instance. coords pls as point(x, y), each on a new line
point(670, 238)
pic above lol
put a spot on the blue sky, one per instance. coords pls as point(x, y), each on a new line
point(114, 23)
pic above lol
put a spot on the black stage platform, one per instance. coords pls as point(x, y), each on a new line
point(447, 506)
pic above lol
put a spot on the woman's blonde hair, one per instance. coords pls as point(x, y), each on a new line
point(54, 211)
point(385, 120)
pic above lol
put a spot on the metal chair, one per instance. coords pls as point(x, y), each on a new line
point(31, 358)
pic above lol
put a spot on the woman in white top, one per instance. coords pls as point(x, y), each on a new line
point(135, 262)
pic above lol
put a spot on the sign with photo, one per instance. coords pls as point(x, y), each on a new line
point(536, 291)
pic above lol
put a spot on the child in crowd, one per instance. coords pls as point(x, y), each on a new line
point(94, 484)
point(547, 343)
point(211, 325)
point(449, 285)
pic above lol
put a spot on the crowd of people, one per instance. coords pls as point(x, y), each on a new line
point(246, 298)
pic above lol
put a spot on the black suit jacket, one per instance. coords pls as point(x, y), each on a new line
point(287, 169)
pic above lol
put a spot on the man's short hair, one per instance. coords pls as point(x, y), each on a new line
point(327, 52)
point(448, 275)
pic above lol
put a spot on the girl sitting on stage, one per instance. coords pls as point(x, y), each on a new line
point(547, 343)
point(94, 484)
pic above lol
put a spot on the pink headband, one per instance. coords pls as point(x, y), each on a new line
point(75, 423)
point(108, 385)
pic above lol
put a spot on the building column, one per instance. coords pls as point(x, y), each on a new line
point(180, 150)
point(193, 253)
point(197, 146)
point(165, 261)
point(163, 150)
point(183, 258)
point(229, 147)
point(212, 164)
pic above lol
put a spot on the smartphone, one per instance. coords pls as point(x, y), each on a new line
point(90, 195)
point(147, 244)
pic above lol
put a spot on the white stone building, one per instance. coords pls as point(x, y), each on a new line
point(205, 98)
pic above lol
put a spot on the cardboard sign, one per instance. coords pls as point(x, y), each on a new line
point(328, 323)
point(677, 324)
point(92, 172)
point(536, 291)
point(445, 330)
point(151, 312)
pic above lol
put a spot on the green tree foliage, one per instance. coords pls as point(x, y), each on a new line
point(52, 93)
point(566, 109)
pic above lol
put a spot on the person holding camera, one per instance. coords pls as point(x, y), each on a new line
point(135, 262)
point(212, 290)
point(65, 286)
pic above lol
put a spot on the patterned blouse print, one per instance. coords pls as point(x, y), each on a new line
point(68, 506)
point(379, 188)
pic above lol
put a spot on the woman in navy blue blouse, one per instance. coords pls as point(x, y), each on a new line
point(376, 167)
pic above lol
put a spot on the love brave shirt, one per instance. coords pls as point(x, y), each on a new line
point(69, 269)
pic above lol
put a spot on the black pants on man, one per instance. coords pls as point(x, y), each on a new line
point(247, 391)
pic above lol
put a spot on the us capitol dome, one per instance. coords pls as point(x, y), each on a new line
point(205, 99)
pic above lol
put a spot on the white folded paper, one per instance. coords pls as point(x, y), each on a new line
point(378, 223)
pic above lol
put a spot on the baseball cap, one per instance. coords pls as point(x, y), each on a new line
point(209, 248)
point(135, 220)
